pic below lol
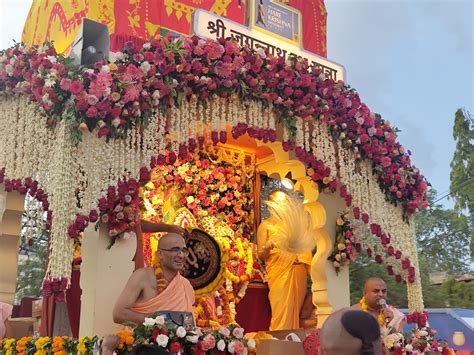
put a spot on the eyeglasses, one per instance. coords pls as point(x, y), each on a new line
point(177, 250)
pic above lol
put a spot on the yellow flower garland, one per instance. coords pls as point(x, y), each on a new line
point(365, 308)
point(126, 340)
point(21, 345)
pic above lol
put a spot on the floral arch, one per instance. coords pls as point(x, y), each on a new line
point(88, 136)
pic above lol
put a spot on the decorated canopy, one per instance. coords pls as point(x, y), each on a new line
point(76, 136)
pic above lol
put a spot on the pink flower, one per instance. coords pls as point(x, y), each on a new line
point(160, 320)
point(208, 343)
point(386, 161)
point(65, 84)
point(76, 87)
point(224, 331)
point(91, 112)
point(238, 347)
point(238, 333)
point(132, 93)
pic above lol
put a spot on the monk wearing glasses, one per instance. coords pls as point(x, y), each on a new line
point(148, 291)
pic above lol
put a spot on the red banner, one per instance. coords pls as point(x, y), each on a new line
point(138, 20)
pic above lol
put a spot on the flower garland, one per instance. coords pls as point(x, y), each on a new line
point(206, 185)
point(345, 246)
point(380, 317)
point(58, 345)
point(351, 236)
point(178, 338)
point(110, 98)
point(117, 100)
point(418, 341)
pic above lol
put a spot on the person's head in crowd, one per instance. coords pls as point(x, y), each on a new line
point(375, 289)
point(147, 349)
point(350, 332)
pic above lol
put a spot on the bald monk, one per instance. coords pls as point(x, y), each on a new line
point(374, 301)
point(145, 293)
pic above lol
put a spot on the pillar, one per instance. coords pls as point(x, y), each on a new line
point(11, 208)
point(338, 292)
point(104, 273)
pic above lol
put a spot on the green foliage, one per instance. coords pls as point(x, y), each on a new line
point(458, 294)
point(443, 238)
point(443, 244)
point(33, 252)
point(462, 168)
point(362, 269)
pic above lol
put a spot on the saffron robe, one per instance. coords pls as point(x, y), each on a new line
point(287, 277)
point(178, 296)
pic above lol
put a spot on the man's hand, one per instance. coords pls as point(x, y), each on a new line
point(270, 244)
point(152, 227)
point(175, 229)
point(387, 314)
point(109, 344)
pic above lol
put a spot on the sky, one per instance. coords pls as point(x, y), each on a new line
point(411, 61)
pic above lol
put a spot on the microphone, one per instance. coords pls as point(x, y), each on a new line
point(382, 303)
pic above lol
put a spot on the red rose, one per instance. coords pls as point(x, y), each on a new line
point(365, 218)
point(356, 212)
point(103, 132)
point(175, 347)
point(154, 334)
point(93, 216)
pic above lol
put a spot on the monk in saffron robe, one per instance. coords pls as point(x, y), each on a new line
point(146, 293)
point(286, 271)
point(374, 301)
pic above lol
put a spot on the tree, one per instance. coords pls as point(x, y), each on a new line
point(458, 294)
point(364, 268)
point(443, 238)
point(462, 168)
point(443, 245)
point(33, 251)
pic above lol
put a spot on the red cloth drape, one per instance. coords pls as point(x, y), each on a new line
point(257, 185)
point(154, 18)
point(253, 311)
point(73, 301)
point(47, 317)
point(314, 24)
